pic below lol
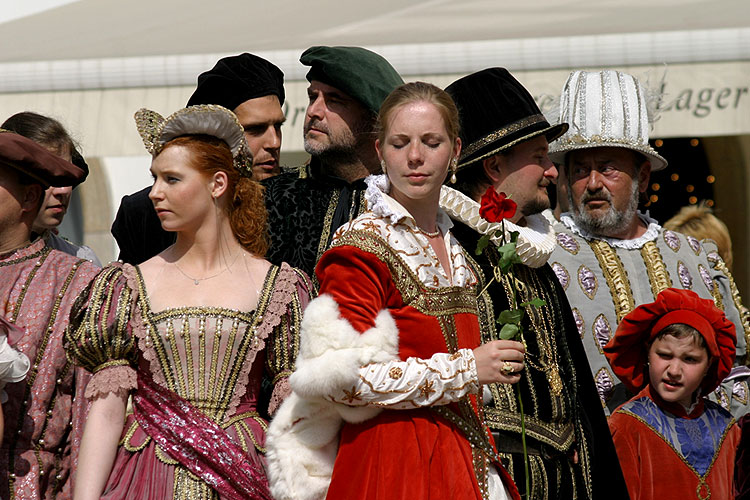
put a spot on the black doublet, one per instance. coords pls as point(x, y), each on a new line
point(563, 414)
point(305, 208)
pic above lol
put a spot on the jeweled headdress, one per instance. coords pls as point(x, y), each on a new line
point(605, 109)
point(207, 119)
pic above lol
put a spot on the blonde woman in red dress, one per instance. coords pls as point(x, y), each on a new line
point(386, 401)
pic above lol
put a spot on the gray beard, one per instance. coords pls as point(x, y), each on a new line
point(332, 154)
point(612, 222)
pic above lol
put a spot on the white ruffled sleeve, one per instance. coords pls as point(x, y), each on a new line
point(14, 366)
point(444, 378)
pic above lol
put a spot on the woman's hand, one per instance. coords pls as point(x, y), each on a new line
point(499, 361)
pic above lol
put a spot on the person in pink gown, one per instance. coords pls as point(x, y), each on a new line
point(191, 333)
point(38, 287)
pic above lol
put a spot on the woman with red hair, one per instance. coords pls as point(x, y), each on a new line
point(191, 332)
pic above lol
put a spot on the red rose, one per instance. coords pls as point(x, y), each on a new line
point(496, 207)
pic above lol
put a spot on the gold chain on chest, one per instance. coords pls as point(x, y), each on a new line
point(544, 326)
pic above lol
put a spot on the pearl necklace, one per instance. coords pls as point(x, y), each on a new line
point(429, 234)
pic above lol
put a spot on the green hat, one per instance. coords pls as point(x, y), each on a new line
point(362, 74)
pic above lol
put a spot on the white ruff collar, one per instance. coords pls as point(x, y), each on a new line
point(652, 232)
point(536, 240)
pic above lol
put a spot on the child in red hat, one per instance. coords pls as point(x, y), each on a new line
point(672, 442)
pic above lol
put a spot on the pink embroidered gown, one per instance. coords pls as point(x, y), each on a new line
point(213, 358)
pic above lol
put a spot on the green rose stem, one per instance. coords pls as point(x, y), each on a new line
point(512, 328)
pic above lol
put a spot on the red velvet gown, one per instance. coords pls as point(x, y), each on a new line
point(420, 453)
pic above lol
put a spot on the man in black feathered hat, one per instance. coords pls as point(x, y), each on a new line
point(505, 141)
point(347, 87)
point(253, 88)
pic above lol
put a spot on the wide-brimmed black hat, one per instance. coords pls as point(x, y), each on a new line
point(496, 113)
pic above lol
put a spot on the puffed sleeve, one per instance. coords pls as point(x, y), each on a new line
point(14, 365)
point(736, 312)
point(359, 283)
point(403, 385)
point(293, 292)
point(349, 346)
point(100, 337)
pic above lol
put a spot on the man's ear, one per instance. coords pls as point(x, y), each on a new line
point(32, 197)
point(492, 168)
point(644, 174)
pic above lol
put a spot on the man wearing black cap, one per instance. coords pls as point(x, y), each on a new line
point(505, 139)
point(347, 87)
point(253, 89)
point(43, 419)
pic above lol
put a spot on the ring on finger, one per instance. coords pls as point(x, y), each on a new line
point(507, 368)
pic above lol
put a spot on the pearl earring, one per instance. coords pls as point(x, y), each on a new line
point(454, 165)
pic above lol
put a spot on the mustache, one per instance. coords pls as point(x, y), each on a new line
point(317, 125)
point(600, 195)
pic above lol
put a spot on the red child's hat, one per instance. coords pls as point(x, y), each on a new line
point(627, 351)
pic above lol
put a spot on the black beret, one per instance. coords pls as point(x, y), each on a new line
point(236, 79)
point(35, 161)
point(363, 74)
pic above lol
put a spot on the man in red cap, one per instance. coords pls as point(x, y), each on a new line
point(43, 419)
point(671, 353)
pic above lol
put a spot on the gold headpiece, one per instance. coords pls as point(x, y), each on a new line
point(206, 119)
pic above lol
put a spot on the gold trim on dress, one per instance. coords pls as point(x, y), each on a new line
point(432, 302)
point(744, 313)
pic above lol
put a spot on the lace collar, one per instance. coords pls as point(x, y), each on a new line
point(652, 232)
point(536, 240)
point(382, 205)
point(395, 225)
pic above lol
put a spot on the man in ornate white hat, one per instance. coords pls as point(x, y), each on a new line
point(505, 139)
point(610, 257)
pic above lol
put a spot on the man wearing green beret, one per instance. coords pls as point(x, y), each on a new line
point(305, 207)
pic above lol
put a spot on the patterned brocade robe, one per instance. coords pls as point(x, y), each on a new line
point(305, 208)
point(606, 279)
point(45, 413)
